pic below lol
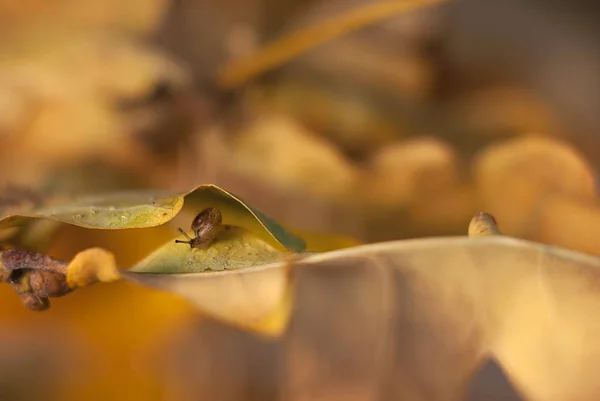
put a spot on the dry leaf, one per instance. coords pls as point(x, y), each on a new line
point(350, 121)
point(297, 159)
point(127, 209)
point(234, 248)
point(61, 77)
point(515, 177)
point(210, 161)
point(411, 171)
point(569, 223)
point(413, 320)
point(254, 299)
point(504, 109)
point(138, 16)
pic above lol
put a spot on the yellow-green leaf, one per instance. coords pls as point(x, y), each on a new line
point(234, 248)
point(149, 208)
point(237, 212)
point(120, 210)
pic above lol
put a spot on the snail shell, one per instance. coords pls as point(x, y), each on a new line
point(206, 227)
point(207, 224)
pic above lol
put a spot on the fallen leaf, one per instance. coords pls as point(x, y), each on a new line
point(144, 208)
point(351, 123)
point(56, 116)
point(389, 320)
point(233, 248)
point(410, 171)
point(132, 209)
point(254, 298)
point(259, 302)
point(515, 177)
point(501, 109)
point(236, 212)
point(569, 223)
point(135, 16)
point(209, 161)
point(298, 159)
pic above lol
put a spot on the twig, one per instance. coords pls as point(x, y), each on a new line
point(288, 47)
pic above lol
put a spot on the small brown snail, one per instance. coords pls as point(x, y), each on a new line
point(206, 226)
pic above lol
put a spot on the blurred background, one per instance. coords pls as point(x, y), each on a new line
point(404, 127)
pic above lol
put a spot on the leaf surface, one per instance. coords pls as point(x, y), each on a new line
point(150, 208)
point(237, 212)
point(427, 312)
point(234, 248)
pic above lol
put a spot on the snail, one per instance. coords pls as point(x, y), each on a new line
point(206, 226)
